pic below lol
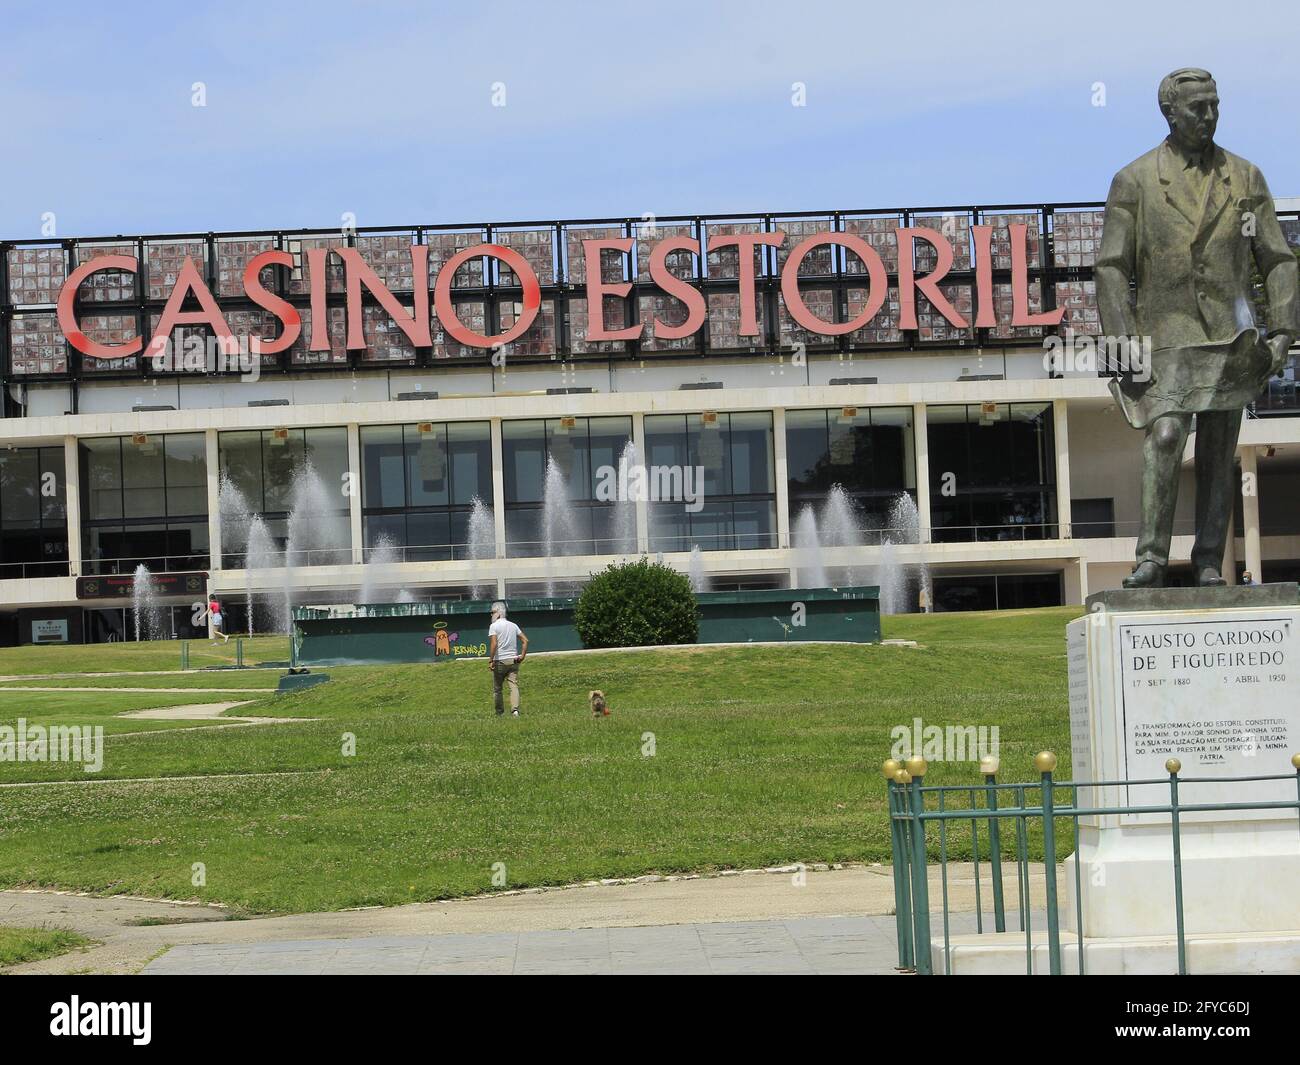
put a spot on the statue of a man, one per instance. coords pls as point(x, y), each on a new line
point(1183, 226)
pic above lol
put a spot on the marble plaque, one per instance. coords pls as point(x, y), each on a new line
point(1218, 690)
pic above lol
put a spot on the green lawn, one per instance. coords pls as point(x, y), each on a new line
point(205, 678)
point(157, 655)
point(761, 756)
point(18, 945)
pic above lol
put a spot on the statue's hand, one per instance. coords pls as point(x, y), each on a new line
point(1280, 346)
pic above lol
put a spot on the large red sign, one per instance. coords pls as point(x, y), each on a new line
point(415, 321)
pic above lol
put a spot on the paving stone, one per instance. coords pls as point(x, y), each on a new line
point(798, 945)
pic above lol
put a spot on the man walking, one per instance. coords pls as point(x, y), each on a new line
point(507, 648)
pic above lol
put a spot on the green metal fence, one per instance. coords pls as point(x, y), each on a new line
point(914, 807)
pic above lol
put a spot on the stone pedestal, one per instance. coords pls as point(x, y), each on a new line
point(1210, 677)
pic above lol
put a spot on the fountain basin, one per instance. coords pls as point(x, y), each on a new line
point(439, 632)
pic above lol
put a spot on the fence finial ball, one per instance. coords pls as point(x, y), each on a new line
point(1295, 760)
point(1174, 766)
point(902, 777)
point(1045, 761)
point(917, 766)
point(989, 764)
point(890, 769)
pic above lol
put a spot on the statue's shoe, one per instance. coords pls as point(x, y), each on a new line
point(1147, 575)
point(1208, 577)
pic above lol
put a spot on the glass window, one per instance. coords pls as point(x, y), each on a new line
point(720, 476)
point(992, 472)
point(53, 488)
point(867, 451)
point(33, 514)
point(382, 467)
point(469, 445)
point(186, 466)
point(581, 452)
point(524, 448)
point(241, 464)
point(281, 456)
point(418, 487)
point(327, 452)
point(266, 466)
point(427, 466)
point(143, 484)
point(101, 477)
point(130, 489)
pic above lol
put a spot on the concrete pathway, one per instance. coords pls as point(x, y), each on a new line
point(771, 917)
point(800, 945)
point(207, 712)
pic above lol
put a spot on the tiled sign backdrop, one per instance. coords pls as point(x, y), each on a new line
point(36, 273)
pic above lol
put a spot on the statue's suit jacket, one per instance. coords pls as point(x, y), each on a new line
point(1191, 260)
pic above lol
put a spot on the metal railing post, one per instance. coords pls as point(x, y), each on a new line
point(1173, 766)
point(916, 767)
point(902, 911)
point(989, 767)
point(239, 652)
point(1045, 763)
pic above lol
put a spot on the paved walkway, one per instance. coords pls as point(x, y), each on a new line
point(826, 920)
point(800, 945)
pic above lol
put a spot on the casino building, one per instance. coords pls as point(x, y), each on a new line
point(417, 370)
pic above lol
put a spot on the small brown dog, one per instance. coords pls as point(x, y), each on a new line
point(598, 705)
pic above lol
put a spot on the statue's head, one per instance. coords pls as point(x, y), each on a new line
point(1189, 101)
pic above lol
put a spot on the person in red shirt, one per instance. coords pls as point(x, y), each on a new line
point(218, 624)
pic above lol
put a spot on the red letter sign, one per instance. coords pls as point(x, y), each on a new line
point(415, 325)
point(908, 283)
point(672, 285)
point(190, 281)
point(746, 243)
point(598, 289)
point(446, 310)
point(1020, 284)
point(68, 320)
point(282, 309)
point(794, 300)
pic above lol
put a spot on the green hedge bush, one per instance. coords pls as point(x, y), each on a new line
point(637, 604)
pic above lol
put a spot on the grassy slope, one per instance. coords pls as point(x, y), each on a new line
point(18, 945)
point(762, 755)
point(208, 678)
point(161, 654)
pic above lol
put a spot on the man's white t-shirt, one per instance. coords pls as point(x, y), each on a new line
point(507, 634)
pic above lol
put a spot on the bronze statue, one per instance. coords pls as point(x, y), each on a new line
point(1184, 224)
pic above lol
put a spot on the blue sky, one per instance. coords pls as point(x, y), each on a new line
point(385, 110)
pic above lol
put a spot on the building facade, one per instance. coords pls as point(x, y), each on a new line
point(821, 417)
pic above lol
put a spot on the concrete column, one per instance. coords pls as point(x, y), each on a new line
point(354, 493)
point(1229, 566)
point(1250, 512)
point(921, 441)
point(212, 458)
point(72, 502)
point(782, 479)
point(642, 505)
point(499, 496)
point(1076, 582)
point(1061, 434)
